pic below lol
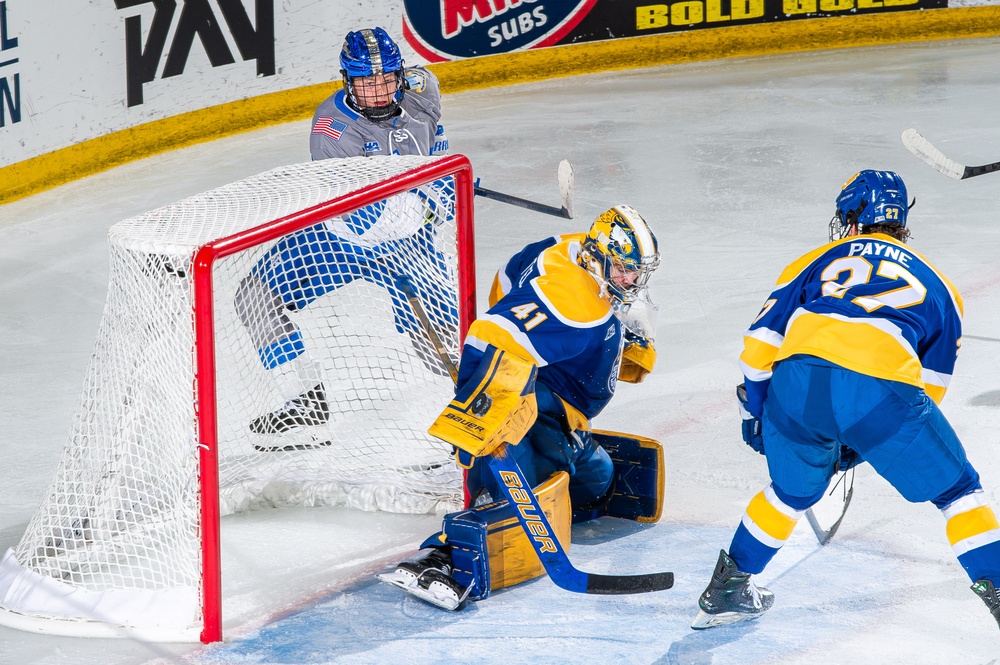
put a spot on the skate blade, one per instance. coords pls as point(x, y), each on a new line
point(704, 620)
point(408, 583)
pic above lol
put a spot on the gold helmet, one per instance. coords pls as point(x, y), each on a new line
point(621, 251)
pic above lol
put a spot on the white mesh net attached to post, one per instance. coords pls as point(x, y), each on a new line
point(326, 384)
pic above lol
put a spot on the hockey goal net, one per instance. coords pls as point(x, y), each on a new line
point(256, 349)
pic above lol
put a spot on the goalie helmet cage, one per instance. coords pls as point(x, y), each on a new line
point(189, 357)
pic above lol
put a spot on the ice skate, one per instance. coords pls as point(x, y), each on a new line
point(731, 597)
point(985, 590)
point(307, 410)
point(429, 578)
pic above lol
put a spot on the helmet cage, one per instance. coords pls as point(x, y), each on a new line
point(843, 228)
point(394, 85)
point(869, 198)
point(373, 56)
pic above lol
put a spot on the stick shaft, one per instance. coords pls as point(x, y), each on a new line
point(521, 203)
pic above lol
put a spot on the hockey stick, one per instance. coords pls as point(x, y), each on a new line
point(824, 535)
point(565, 177)
point(404, 284)
point(923, 149)
point(536, 525)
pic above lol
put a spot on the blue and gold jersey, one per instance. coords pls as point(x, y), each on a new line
point(866, 303)
point(546, 309)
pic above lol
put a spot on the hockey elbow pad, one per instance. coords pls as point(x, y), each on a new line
point(496, 405)
point(638, 359)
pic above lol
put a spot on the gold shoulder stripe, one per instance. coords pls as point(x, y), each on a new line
point(795, 268)
point(568, 290)
point(490, 333)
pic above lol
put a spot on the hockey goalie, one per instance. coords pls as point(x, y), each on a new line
point(569, 316)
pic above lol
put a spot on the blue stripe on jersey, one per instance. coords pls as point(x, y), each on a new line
point(364, 218)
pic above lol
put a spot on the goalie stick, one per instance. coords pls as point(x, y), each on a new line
point(565, 176)
point(923, 149)
point(536, 525)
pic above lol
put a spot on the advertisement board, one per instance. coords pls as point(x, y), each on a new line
point(86, 85)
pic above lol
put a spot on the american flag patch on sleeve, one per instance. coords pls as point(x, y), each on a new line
point(329, 127)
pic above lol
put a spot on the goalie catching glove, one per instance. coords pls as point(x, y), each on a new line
point(496, 405)
point(638, 358)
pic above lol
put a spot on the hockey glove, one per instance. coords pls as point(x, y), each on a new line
point(463, 458)
point(751, 424)
point(638, 358)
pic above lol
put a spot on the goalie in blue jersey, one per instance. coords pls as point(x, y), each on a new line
point(849, 357)
point(569, 316)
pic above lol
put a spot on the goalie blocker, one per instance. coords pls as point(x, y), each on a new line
point(490, 551)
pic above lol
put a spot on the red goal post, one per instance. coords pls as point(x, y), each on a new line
point(205, 258)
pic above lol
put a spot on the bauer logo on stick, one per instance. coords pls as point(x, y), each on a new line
point(536, 527)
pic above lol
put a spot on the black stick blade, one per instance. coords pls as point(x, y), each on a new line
point(624, 584)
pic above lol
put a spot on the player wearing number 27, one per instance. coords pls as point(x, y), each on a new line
point(853, 351)
point(569, 316)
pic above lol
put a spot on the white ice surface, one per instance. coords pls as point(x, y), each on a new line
point(736, 165)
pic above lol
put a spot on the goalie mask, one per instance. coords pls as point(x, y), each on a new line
point(372, 67)
point(869, 198)
point(621, 252)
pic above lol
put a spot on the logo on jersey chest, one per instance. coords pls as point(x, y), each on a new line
point(372, 146)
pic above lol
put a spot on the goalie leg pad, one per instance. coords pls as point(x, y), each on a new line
point(490, 550)
point(466, 534)
point(638, 483)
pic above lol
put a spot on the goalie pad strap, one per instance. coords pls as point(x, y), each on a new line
point(496, 405)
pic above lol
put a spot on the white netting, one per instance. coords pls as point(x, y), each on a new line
point(310, 328)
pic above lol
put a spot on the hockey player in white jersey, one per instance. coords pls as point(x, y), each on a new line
point(384, 108)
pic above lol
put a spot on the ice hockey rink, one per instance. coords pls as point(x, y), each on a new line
point(736, 165)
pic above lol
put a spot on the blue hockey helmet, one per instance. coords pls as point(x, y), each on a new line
point(621, 251)
point(370, 54)
point(869, 198)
